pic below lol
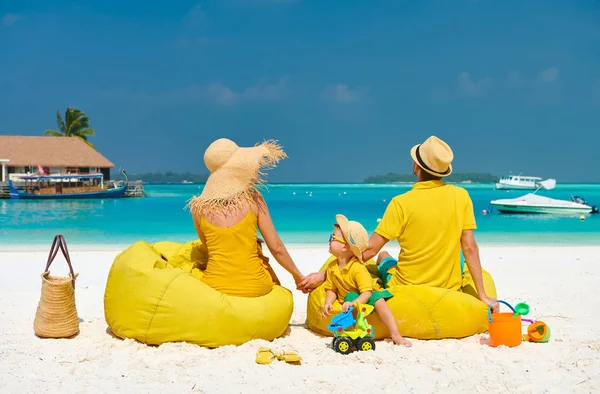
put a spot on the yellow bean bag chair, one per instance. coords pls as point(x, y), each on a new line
point(153, 294)
point(422, 312)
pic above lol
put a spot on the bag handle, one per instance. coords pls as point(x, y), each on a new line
point(60, 243)
point(503, 302)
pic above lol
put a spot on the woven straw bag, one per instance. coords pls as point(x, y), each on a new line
point(56, 315)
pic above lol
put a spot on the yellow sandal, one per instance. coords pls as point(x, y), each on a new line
point(265, 356)
point(291, 357)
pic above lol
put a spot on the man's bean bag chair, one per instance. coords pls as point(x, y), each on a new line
point(154, 295)
point(422, 312)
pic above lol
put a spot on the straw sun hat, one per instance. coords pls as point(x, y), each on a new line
point(235, 173)
point(355, 234)
point(433, 156)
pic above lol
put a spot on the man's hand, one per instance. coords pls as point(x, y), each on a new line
point(311, 281)
point(327, 309)
point(488, 301)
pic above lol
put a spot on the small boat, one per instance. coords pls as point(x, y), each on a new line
point(533, 203)
point(518, 182)
point(66, 186)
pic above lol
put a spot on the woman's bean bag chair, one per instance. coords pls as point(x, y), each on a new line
point(422, 312)
point(154, 295)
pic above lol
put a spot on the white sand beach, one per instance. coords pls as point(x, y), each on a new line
point(559, 283)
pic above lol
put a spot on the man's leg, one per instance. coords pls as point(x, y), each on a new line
point(382, 255)
point(384, 262)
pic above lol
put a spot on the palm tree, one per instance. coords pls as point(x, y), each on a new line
point(76, 124)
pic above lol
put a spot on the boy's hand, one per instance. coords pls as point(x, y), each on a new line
point(327, 309)
point(347, 305)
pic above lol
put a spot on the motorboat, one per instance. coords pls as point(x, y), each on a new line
point(533, 203)
point(518, 182)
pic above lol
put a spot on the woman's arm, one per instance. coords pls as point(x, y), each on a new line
point(274, 243)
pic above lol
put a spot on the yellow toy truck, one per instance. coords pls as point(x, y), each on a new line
point(349, 332)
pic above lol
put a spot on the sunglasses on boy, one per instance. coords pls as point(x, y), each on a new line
point(333, 237)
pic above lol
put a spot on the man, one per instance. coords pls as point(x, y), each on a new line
point(432, 223)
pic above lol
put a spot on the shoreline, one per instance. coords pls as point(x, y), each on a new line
point(91, 247)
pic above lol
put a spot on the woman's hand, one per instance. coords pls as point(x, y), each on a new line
point(298, 278)
point(311, 281)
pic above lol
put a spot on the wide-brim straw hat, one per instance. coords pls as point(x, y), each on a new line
point(235, 173)
point(354, 234)
point(433, 156)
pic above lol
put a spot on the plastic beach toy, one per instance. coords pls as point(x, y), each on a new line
point(537, 331)
point(349, 333)
point(505, 328)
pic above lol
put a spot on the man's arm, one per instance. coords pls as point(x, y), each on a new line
point(376, 242)
point(471, 252)
point(389, 228)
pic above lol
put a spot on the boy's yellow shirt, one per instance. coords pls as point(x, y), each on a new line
point(354, 277)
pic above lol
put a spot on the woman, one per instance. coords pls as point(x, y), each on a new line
point(226, 216)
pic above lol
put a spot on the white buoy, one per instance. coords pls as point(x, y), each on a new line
point(344, 192)
point(384, 200)
point(582, 217)
point(294, 193)
point(378, 220)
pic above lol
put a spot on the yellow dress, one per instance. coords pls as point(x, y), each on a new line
point(235, 266)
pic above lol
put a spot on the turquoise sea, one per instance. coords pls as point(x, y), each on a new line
point(303, 213)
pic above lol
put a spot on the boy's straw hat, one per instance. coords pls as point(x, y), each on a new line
point(433, 156)
point(235, 173)
point(354, 234)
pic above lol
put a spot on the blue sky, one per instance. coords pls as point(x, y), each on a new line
point(347, 87)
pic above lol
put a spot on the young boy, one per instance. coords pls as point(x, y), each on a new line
point(347, 276)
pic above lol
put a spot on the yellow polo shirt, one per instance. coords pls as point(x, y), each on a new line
point(428, 222)
point(353, 277)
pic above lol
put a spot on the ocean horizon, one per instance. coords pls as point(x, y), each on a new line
point(303, 213)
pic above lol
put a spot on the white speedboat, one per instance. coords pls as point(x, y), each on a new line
point(518, 182)
point(532, 203)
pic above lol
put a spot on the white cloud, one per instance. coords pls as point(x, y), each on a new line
point(194, 17)
point(548, 76)
point(471, 87)
point(215, 91)
point(341, 93)
point(261, 91)
point(515, 79)
point(222, 94)
point(9, 19)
